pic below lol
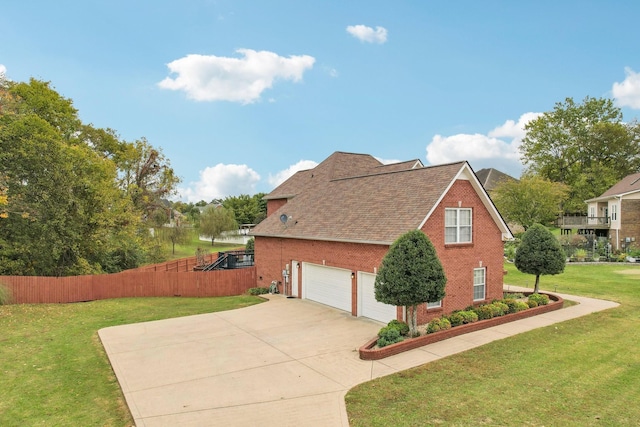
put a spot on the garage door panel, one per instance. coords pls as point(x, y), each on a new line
point(327, 285)
point(369, 306)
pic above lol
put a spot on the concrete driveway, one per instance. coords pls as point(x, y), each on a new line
point(285, 362)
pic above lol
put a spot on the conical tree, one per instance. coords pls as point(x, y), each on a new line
point(410, 274)
point(539, 253)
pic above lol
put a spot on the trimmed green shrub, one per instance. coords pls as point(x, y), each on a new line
point(499, 308)
point(456, 319)
point(469, 316)
point(441, 324)
point(401, 326)
point(541, 299)
point(531, 303)
point(521, 305)
point(484, 312)
point(445, 324)
point(511, 303)
point(257, 291)
point(389, 335)
point(5, 295)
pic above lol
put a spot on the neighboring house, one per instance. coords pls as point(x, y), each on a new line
point(614, 214)
point(328, 229)
point(490, 178)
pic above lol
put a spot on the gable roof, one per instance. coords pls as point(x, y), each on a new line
point(490, 178)
point(371, 204)
point(628, 184)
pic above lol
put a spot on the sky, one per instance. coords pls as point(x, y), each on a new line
point(239, 94)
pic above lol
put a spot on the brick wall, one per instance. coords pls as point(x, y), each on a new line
point(459, 261)
point(274, 205)
point(629, 222)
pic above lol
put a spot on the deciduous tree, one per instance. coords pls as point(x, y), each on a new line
point(586, 146)
point(410, 274)
point(215, 220)
point(539, 253)
point(530, 200)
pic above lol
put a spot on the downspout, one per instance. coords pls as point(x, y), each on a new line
point(618, 218)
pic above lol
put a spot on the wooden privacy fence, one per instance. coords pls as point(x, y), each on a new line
point(182, 264)
point(35, 289)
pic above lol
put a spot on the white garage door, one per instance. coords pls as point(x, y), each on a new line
point(368, 306)
point(327, 285)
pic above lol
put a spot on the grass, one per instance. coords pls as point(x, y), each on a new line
point(53, 368)
point(583, 372)
point(189, 248)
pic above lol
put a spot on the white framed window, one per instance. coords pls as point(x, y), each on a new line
point(436, 304)
point(479, 283)
point(614, 212)
point(457, 225)
point(592, 211)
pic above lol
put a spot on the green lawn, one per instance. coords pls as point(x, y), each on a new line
point(584, 372)
point(189, 248)
point(53, 368)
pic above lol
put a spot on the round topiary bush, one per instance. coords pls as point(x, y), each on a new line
point(521, 305)
point(531, 303)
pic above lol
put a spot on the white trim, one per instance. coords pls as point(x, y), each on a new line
point(484, 283)
point(467, 174)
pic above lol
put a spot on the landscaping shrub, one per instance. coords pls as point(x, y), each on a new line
point(532, 303)
point(402, 327)
point(389, 335)
point(521, 305)
point(440, 324)
point(541, 299)
point(483, 312)
point(498, 308)
point(257, 291)
point(456, 319)
point(469, 316)
point(511, 303)
point(5, 295)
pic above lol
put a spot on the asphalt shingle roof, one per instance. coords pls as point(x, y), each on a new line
point(628, 184)
point(349, 197)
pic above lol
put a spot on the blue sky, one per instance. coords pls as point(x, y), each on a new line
point(241, 94)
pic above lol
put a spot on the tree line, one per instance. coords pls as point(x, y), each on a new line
point(75, 199)
point(573, 153)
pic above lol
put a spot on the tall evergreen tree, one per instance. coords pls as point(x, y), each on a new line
point(539, 253)
point(410, 274)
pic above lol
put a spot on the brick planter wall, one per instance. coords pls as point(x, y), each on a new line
point(368, 352)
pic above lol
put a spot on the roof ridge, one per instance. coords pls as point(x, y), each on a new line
point(380, 173)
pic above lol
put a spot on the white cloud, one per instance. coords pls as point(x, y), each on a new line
point(486, 150)
point(283, 175)
point(511, 129)
point(3, 70)
point(627, 93)
point(221, 181)
point(217, 78)
point(368, 34)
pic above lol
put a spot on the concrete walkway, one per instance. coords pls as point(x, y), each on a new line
point(286, 362)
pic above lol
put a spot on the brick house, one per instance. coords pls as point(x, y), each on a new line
point(616, 213)
point(328, 229)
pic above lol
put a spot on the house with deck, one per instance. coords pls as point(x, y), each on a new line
point(615, 214)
